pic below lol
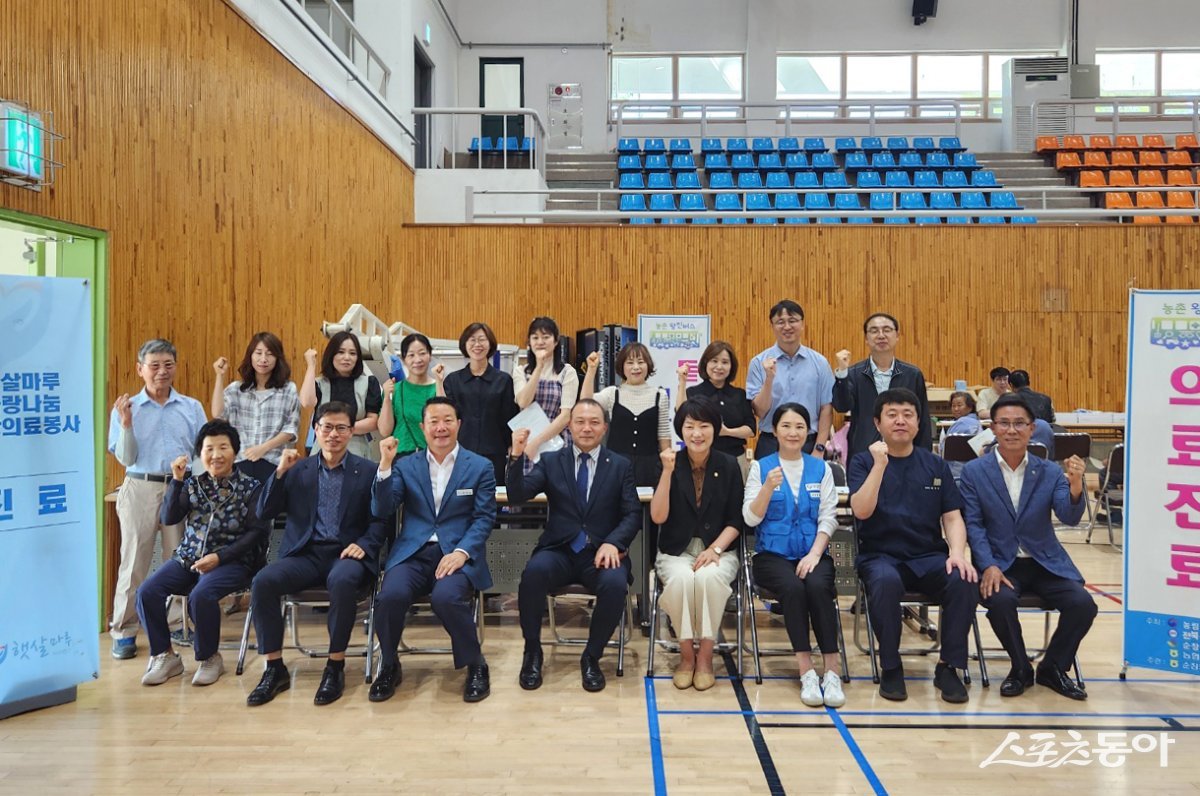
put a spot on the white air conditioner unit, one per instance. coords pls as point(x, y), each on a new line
point(1030, 79)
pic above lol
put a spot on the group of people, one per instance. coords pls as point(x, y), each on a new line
point(447, 445)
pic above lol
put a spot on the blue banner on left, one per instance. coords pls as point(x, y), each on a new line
point(48, 635)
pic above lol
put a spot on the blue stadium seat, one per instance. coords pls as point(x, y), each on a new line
point(769, 162)
point(683, 163)
point(897, 143)
point(692, 202)
point(708, 145)
point(656, 163)
point(761, 145)
point(733, 221)
point(728, 201)
point(856, 161)
point(715, 161)
point(912, 200)
point(526, 144)
point(881, 200)
point(778, 179)
point(910, 160)
point(973, 200)
point(480, 145)
point(871, 144)
point(659, 180)
point(722, 179)
point(869, 179)
point(704, 220)
point(736, 145)
point(681, 146)
point(1024, 220)
point(965, 160)
point(829, 220)
point(954, 179)
point(641, 220)
point(749, 179)
point(633, 201)
point(834, 179)
point(984, 179)
point(923, 220)
point(846, 201)
point(950, 143)
point(823, 161)
point(925, 179)
point(883, 160)
point(1005, 200)
point(897, 179)
point(654, 146)
point(805, 179)
point(687, 179)
point(631, 180)
point(662, 201)
point(766, 220)
point(896, 220)
point(788, 201)
point(817, 201)
point(758, 201)
point(938, 160)
point(743, 161)
point(942, 200)
point(923, 144)
point(845, 144)
point(629, 163)
point(510, 144)
point(815, 144)
point(796, 161)
point(672, 220)
point(788, 145)
point(992, 220)
point(628, 146)
point(796, 220)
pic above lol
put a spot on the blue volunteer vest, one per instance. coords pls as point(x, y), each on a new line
point(790, 526)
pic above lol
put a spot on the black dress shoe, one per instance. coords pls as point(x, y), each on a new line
point(275, 680)
point(948, 684)
point(1017, 681)
point(1056, 679)
point(593, 678)
point(333, 682)
point(385, 682)
point(891, 684)
point(478, 684)
point(531, 670)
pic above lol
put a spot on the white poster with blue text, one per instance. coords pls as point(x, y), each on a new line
point(1162, 482)
point(48, 628)
point(674, 341)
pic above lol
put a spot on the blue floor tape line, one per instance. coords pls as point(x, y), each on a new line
point(857, 751)
point(944, 714)
point(656, 756)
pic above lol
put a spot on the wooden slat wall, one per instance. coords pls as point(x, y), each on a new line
point(239, 196)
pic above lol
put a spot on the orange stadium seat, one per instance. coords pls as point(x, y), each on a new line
point(1123, 158)
point(1067, 160)
point(1187, 141)
point(1122, 178)
point(1127, 142)
point(1117, 200)
point(1094, 159)
point(1153, 141)
point(1180, 177)
point(1179, 157)
point(1149, 199)
point(1046, 143)
point(1074, 142)
point(1151, 157)
point(1150, 177)
point(1091, 179)
point(1181, 200)
point(1099, 142)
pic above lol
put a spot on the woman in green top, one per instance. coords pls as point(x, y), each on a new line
point(404, 402)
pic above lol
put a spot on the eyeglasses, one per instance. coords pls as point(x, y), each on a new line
point(326, 428)
point(881, 330)
point(1016, 425)
point(781, 322)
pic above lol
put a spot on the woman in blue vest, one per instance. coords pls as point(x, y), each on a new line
point(793, 509)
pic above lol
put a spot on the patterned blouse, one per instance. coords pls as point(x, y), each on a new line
point(220, 518)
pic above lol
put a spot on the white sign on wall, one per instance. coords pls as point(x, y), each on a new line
point(674, 340)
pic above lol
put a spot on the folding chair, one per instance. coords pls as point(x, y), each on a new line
point(1078, 444)
point(1034, 602)
point(624, 629)
point(1110, 497)
point(476, 611)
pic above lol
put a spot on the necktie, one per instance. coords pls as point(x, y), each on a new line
point(581, 482)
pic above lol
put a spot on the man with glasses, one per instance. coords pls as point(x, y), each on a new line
point(989, 395)
point(856, 386)
point(1008, 496)
point(790, 371)
point(146, 433)
point(332, 541)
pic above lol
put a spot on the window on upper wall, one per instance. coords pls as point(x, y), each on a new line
point(707, 78)
point(1128, 74)
point(879, 77)
point(1180, 76)
point(809, 77)
point(951, 77)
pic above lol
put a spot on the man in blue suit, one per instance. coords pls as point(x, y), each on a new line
point(593, 516)
point(1009, 496)
point(449, 500)
point(332, 539)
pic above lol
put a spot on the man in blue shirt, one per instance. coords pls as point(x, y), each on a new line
point(146, 432)
point(790, 371)
point(904, 500)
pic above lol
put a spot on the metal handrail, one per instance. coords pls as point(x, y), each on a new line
point(1070, 214)
point(872, 105)
point(537, 158)
point(356, 38)
point(1035, 110)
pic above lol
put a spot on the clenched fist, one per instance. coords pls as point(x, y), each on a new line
point(387, 452)
point(879, 452)
point(179, 467)
point(668, 460)
point(520, 439)
point(221, 366)
point(774, 479)
point(843, 359)
point(287, 460)
point(124, 410)
point(310, 356)
point(769, 366)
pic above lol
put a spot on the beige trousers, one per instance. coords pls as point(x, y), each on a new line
point(138, 504)
point(695, 600)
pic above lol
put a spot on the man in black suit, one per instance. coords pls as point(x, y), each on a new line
point(1039, 402)
point(856, 386)
point(593, 516)
point(332, 539)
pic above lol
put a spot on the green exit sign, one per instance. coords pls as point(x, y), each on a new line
point(22, 142)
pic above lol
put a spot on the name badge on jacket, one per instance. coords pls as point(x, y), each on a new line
point(464, 492)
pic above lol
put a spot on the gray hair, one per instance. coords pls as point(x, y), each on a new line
point(156, 346)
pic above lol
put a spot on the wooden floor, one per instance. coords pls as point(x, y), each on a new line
point(634, 737)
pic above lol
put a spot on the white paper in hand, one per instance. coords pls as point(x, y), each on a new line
point(533, 418)
point(981, 441)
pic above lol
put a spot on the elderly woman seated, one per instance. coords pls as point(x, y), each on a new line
point(966, 423)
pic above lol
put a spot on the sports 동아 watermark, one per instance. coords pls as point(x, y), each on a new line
point(1049, 750)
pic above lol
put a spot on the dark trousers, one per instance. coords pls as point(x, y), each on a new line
point(552, 569)
point(768, 444)
point(811, 597)
point(204, 593)
point(1075, 606)
point(260, 469)
point(316, 565)
point(451, 597)
point(886, 580)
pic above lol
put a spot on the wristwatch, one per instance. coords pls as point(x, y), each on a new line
point(716, 550)
point(819, 447)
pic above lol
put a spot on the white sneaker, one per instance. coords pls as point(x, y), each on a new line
point(209, 670)
point(832, 686)
point(162, 668)
point(810, 689)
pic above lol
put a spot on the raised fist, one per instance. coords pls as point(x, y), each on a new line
point(843, 359)
point(221, 366)
point(389, 387)
point(668, 460)
point(769, 366)
point(439, 371)
point(387, 452)
point(124, 410)
point(287, 460)
point(520, 439)
point(774, 479)
point(179, 467)
point(879, 452)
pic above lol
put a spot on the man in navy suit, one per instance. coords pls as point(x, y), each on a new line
point(449, 500)
point(332, 539)
point(593, 516)
point(1009, 496)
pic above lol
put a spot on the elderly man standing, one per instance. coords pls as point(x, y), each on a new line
point(790, 371)
point(146, 432)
